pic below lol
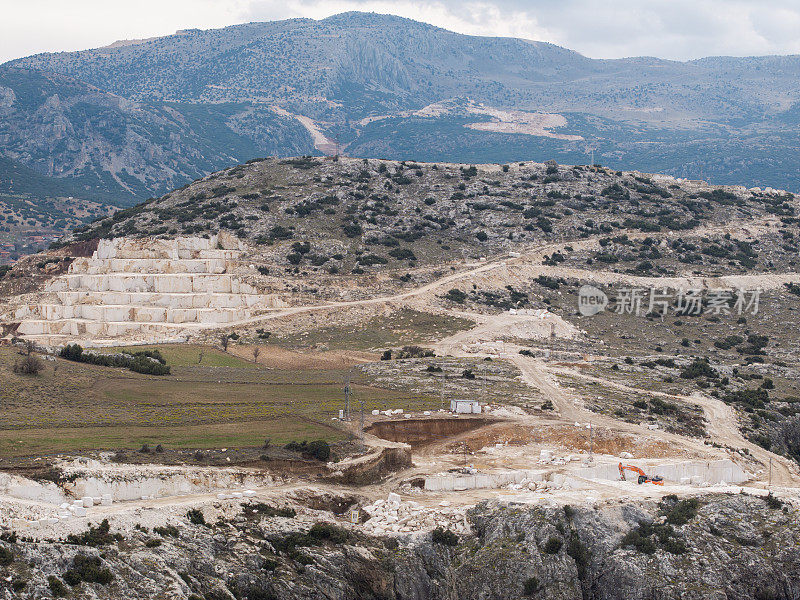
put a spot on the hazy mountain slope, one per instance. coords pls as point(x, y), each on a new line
point(385, 62)
point(376, 62)
point(363, 79)
point(109, 147)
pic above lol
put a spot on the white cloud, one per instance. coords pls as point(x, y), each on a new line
point(677, 29)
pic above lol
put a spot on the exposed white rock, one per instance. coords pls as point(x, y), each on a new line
point(136, 287)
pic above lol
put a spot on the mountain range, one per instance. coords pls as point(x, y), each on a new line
point(136, 119)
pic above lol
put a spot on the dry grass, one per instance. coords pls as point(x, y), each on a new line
point(84, 407)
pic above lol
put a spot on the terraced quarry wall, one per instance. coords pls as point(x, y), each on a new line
point(142, 289)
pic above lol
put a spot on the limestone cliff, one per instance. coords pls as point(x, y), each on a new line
point(718, 547)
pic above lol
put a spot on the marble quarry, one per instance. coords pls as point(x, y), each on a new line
point(144, 289)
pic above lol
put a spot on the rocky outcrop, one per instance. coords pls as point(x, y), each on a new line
point(718, 547)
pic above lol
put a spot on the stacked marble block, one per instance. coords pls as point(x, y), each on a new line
point(144, 286)
point(78, 508)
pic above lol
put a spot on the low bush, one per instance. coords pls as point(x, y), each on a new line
point(553, 545)
point(95, 536)
point(414, 352)
point(456, 295)
point(89, 569)
point(683, 511)
point(149, 362)
point(318, 449)
point(29, 365)
point(444, 537)
point(57, 587)
point(259, 508)
point(531, 586)
point(196, 517)
point(166, 530)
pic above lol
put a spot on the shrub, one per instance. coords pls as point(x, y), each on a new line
point(29, 365)
point(616, 192)
point(414, 352)
point(352, 230)
point(553, 545)
point(402, 254)
point(153, 543)
point(456, 295)
point(149, 362)
point(328, 532)
point(772, 501)
point(6, 556)
point(683, 512)
point(640, 539)
point(259, 508)
point(95, 536)
point(57, 586)
point(481, 235)
point(700, 367)
point(444, 537)
point(166, 530)
point(89, 569)
point(318, 449)
point(530, 586)
point(196, 517)
point(579, 553)
point(387, 355)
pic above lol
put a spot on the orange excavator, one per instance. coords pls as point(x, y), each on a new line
point(643, 477)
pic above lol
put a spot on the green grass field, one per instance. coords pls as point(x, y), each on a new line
point(224, 401)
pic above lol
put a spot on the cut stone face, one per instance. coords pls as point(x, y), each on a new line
point(142, 287)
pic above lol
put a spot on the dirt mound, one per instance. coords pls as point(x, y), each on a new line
point(419, 432)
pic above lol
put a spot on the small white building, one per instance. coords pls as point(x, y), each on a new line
point(465, 407)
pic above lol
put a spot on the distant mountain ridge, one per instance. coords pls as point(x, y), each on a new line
point(362, 78)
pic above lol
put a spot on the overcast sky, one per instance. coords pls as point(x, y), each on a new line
point(677, 29)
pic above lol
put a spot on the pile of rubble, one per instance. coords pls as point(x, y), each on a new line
point(395, 516)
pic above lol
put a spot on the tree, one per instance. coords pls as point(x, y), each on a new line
point(224, 340)
point(256, 352)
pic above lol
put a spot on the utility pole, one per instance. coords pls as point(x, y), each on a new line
point(361, 428)
point(591, 443)
point(444, 376)
point(347, 398)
